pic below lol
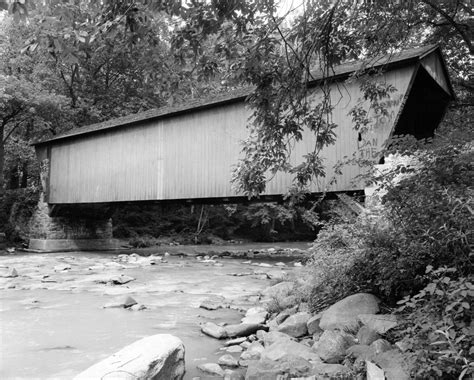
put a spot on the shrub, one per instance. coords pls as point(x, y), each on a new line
point(436, 326)
point(142, 241)
point(426, 220)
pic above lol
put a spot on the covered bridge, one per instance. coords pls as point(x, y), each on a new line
point(187, 152)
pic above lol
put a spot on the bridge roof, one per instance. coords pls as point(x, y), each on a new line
point(340, 72)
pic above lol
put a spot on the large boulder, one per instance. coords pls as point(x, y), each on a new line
point(332, 346)
point(295, 325)
point(344, 314)
point(155, 357)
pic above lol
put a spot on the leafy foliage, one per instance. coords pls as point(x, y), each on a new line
point(437, 327)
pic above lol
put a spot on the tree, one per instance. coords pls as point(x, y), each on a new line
point(240, 43)
point(26, 111)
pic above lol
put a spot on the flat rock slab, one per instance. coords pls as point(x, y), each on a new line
point(213, 330)
point(158, 356)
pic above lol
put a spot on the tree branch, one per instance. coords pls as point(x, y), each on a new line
point(453, 23)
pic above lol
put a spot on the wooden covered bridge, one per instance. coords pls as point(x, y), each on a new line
point(188, 152)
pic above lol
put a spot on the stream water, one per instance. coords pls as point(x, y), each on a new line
point(53, 325)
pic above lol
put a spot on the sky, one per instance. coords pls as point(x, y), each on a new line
point(292, 6)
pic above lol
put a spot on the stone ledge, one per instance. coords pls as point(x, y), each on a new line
point(62, 245)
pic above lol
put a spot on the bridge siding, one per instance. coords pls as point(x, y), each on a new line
point(191, 155)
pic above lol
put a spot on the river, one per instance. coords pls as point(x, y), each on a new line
point(53, 324)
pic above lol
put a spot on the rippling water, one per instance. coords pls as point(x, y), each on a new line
point(54, 327)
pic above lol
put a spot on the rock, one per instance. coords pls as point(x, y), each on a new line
point(402, 346)
point(332, 371)
point(12, 273)
point(343, 315)
point(233, 375)
point(332, 346)
point(138, 307)
point(255, 310)
point(272, 325)
point(366, 335)
point(361, 352)
point(113, 305)
point(254, 351)
point(213, 303)
point(380, 323)
point(129, 301)
point(214, 330)
point(298, 264)
point(228, 361)
point(234, 349)
point(285, 314)
point(158, 356)
point(381, 345)
point(313, 324)
point(395, 366)
point(256, 319)
point(121, 280)
point(295, 325)
point(289, 365)
point(374, 372)
point(126, 303)
point(245, 345)
point(279, 290)
point(280, 264)
point(235, 341)
point(243, 329)
point(273, 336)
point(284, 347)
point(211, 368)
point(62, 267)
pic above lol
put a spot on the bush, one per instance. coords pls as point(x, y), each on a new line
point(16, 208)
point(142, 241)
point(426, 220)
point(436, 326)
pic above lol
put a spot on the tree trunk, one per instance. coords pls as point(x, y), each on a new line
point(2, 161)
